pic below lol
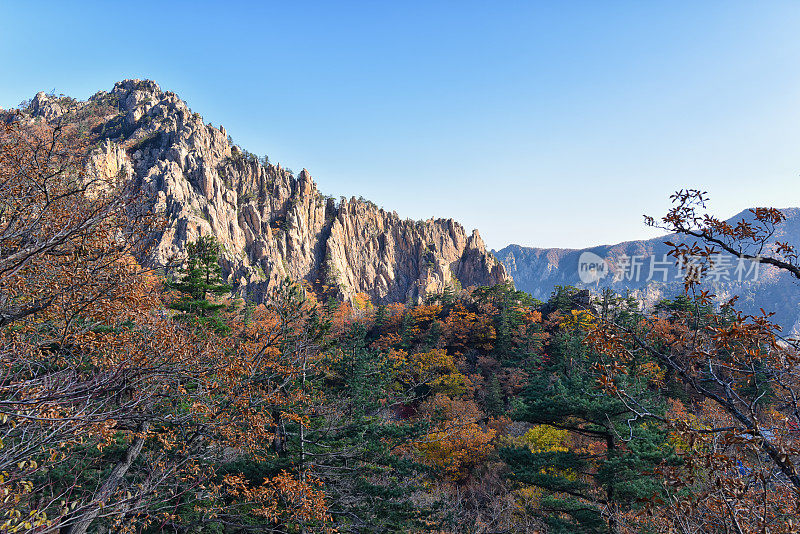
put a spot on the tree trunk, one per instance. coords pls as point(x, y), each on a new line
point(108, 488)
point(610, 452)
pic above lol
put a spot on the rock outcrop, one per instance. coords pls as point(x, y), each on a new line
point(270, 223)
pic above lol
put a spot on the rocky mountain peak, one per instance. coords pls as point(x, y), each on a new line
point(271, 223)
point(46, 106)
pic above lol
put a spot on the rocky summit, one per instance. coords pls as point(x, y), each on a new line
point(270, 222)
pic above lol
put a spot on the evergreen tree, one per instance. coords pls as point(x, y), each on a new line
point(199, 279)
point(406, 331)
point(608, 467)
point(433, 336)
point(509, 304)
point(353, 441)
point(380, 317)
point(494, 402)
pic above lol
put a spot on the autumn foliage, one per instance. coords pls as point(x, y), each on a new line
point(136, 400)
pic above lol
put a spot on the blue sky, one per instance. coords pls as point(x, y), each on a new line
point(544, 124)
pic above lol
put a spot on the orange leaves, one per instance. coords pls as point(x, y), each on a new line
point(281, 498)
point(358, 309)
point(397, 359)
point(59, 240)
point(342, 317)
point(91, 361)
point(386, 341)
point(748, 238)
point(463, 327)
point(459, 443)
point(394, 314)
point(652, 373)
point(724, 475)
point(530, 316)
point(425, 314)
point(260, 390)
point(737, 377)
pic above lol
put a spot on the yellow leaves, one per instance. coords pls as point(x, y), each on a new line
point(15, 522)
point(578, 319)
point(436, 369)
point(526, 498)
point(13, 492)
point(545, 438)
point(451, 384)
point(362, 303)
point(653, 373)
point(436, 361)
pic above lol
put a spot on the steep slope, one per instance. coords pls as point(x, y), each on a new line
point(539, 270)
point(271, 223)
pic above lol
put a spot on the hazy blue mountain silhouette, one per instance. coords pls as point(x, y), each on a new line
point(539, 270)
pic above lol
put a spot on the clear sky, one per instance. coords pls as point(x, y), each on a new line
point(545, 124)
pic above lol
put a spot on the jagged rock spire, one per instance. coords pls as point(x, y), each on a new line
point(270, 223)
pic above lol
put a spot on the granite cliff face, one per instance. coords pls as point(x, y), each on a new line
point(271, 223)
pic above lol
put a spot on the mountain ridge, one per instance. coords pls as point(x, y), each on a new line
point(743, 213)
point(270, 222)
point(538, 270)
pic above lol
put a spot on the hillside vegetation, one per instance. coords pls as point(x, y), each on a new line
point(134, 399)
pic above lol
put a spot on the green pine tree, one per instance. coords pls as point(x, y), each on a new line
point(200, 279)
point(494, 402)
point(354, 438)
point(583, 490)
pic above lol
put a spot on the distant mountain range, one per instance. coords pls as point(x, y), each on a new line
point(641, 269)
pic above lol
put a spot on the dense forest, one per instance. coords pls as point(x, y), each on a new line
point(134, 399)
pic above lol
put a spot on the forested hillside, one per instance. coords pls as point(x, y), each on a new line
point(137, 399)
